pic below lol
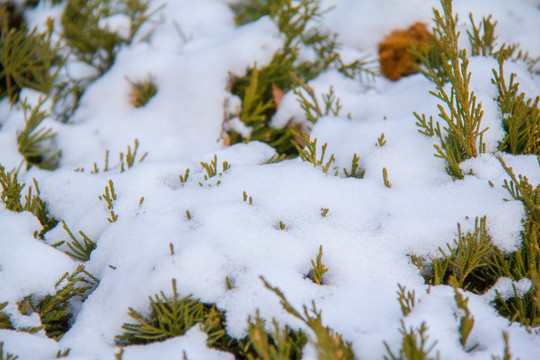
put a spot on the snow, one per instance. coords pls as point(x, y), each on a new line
point(369, 230)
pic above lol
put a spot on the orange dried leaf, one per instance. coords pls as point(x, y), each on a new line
point(394, 56)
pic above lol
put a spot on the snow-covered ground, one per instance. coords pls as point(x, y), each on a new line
point(367, 235)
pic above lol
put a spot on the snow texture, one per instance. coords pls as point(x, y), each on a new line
point(369, 230)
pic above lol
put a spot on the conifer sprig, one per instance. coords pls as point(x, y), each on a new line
point(78, 250)
point(521, 116)
point(329, 344)
point(355, 171)
point(386, 182)
point(279, 344)
point(310, 104)
point(258, 87)
point(11, 196)
point(507, 354)
point(407, 300)
point(89, 40)
point(461, 137)
point(414, 345)
point(521, 308)
point(482, 36)
point(309, 154)
point(174, 317)
point(110, 197)
point(469, 252)
point(211, 170)
point(127, 161)
point(33, 138)
point(5, 321)
point(26, 59)
point(54, 310)
point(11, 189)
point(466, 320)
point(318, 269)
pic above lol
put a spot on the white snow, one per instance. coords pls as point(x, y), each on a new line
point(369, 230)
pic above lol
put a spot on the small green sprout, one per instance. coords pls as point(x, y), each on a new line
point(355, 171)
point(247, 198)
point(78, 250)
point(130, 157)
point(184, 178)
point(414, 344)
point(109, 197)
point(318, 269)
point(312, 109)
point(62, 354)
point(33, 139)
point(212, 170)
point(381, 141)
point(309, 154)
point(407, 300)
point(387, 183)
point(328, 343)
point(466, 320)
point(228, 283)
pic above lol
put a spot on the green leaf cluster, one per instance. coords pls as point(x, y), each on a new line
point(110, 197)
point(328, 343)
point(407, 300)
point(309, 154)
point(525, 262)
point(174, 317)
point(78, 250)
point(26, 58)
point(5, 321)
point(12, 198)
point(443, 61)
point(54, 310)
point(128, 161)
point(279, 344)
point(34, 141)
point(211, 170)
point(521, 116)
point(414, 345)
point(310, 104)
point(414, 341)
point(92, 43)
point(258, 87)
point(473, 263)
point(461, 137)
point(466, 320)
point(318, 269)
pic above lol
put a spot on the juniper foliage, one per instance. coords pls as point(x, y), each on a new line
point(461, 135)
point(27, 58)
point(257, 88)
point(54, 310)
